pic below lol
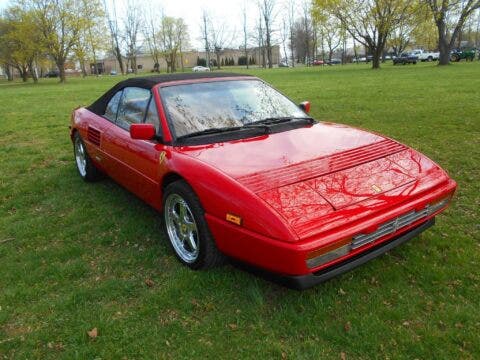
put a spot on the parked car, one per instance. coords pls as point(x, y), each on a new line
point(359, 60)
point(283, 64)
point(52, 74)
point(318, 62)
point(238, 169)
point(405, 58)
point(113, 72)
point(460, 54)
point(426, 55)
point(200, 69)
point(334, 62)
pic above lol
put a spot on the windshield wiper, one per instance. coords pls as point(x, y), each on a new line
point(278, 120)
point(264, 127)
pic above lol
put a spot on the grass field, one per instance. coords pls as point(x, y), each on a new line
point(75, 256)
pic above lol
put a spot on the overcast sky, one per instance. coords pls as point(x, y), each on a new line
point(228, 11)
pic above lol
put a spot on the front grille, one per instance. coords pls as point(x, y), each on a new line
point(396, 224)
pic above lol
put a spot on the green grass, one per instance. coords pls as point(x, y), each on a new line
point(78, 254)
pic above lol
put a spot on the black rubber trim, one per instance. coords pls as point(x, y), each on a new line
point(302, 282)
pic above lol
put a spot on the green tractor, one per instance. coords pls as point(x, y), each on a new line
point(459, 54)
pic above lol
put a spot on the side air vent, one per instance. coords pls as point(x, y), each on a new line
point(93, 135)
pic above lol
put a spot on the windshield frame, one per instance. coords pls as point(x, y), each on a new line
point(223, 136)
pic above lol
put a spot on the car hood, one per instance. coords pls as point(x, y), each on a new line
point(310, 172)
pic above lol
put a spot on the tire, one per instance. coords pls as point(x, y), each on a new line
point(186, 228)
point(86, 169)
point(414, 63)
point(430, 59)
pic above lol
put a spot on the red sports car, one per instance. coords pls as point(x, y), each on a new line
point(239, 170)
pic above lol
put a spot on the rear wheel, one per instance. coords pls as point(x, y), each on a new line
point(187, 229)
point(85, 166)
point(430, 59)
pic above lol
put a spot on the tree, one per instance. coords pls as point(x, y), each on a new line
point(330, 30)
point(20, 43)
point(266, 9)
point(151, 32)
point(291, 24)
point(369, 22)
point(245, 35)
point(91, 39)
point(132, 24)
point(115, 35)
point(219, 35)
point(60, 24)
point(450, 17)
point(205, 31)
point(172, 35)
point(416, 28)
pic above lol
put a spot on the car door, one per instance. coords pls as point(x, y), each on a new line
point(135, 163)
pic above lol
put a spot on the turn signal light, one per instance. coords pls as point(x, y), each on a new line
point(237, 220)
point(329, 253)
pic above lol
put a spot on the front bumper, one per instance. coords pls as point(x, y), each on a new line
point(301, 282)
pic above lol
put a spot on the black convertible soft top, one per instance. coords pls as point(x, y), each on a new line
point(148, 82)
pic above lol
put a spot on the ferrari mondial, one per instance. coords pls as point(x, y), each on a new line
point(239, 170)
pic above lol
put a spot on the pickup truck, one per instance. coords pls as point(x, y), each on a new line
point(426, 55)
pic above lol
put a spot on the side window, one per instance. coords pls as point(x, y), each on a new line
point(112, 107)
point(132, 107)
point(152, 116)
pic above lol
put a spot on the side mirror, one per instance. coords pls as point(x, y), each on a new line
point(142, 131)
point(305, 106)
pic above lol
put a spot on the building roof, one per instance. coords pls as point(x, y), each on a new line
point(148, 82)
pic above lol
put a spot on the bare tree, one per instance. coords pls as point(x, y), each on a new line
point(291, 26)
point(205, 31)
point(151, 32)
point(266, 9)
point(450, 17)
point(245, 36)
point(115, 35)
point(307, 29)
point(220, 38)
point(132, 23)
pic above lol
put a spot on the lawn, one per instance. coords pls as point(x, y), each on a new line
point(77, 256)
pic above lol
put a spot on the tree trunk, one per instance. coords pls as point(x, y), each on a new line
point(444, 52)
point(218, 59)
point(269, 44)
point(33, 72)
point(61, 69)
point(22, 70)
point(118, 55)
point(8, 72)
point(84, 69)
point(377, 54)
point(443, 44)
point(292, 49)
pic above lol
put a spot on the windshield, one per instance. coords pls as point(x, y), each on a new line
point(198, 107)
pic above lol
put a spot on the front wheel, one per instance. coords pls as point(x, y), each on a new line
point(187, 229)
point(85, 166)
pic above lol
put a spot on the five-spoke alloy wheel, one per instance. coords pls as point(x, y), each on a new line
point(182, 228)
point(187, 229)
